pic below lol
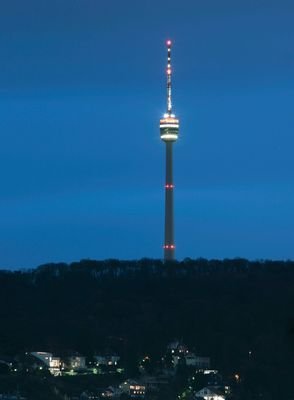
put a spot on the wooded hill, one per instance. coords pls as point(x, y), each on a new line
point(238, 312)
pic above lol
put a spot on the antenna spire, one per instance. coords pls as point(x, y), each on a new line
point(168, 77)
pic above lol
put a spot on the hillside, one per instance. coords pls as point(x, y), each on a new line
point(239, 313)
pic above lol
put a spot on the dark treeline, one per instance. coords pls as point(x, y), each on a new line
point(238, 312)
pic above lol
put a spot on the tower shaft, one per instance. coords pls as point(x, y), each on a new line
point(169, 247)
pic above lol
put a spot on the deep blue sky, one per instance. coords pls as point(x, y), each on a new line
point(82, 166)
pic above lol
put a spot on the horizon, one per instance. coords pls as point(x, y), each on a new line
point(176, 261)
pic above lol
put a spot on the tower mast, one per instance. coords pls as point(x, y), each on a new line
point(169, 76)
point(169, 130)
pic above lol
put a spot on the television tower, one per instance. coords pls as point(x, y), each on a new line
point(169, 130)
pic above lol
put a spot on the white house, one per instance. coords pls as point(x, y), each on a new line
point(77, 362)
point(133, 388)
point(210, 393)
point(53, 363)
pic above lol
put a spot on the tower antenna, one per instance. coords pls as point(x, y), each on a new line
point(169, 77)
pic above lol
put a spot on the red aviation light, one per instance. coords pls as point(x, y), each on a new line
point(167, 186)
point(168, 71)
point(169, 43)
point(169, 246)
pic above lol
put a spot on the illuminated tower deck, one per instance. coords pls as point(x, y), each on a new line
point(169, 130)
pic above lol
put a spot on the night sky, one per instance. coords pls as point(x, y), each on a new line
point(82, 88)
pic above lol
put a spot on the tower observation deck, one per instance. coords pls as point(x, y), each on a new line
point(169, 130)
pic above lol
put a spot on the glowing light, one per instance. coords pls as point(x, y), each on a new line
point(169, 136)
point(168, 42)
point(169, 247)
point(169, 119)
point(168, 71)
point(171, 124)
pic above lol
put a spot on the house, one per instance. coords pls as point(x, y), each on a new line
point(107, 359)
point(210, 371)
point(43, 356)
point(210, 393)
point(213, 378)
point(133, 388)
point(197, 361)
point(76, 362)
point(51, 362)
point(111, 392)
point(191, 360)
point(177, 347)
point(154, 383)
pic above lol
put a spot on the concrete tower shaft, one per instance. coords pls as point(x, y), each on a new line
point(169, 130)
point(169, 243)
